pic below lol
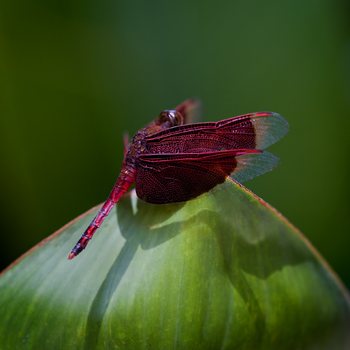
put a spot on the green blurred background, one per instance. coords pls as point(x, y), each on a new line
point(76, 74)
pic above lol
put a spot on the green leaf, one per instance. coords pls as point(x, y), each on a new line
point(224, 271)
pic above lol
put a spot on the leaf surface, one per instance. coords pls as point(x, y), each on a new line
point(223, 271)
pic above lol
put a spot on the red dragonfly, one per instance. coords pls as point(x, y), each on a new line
point(172, 161)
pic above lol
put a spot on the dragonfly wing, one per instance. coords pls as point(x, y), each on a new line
point(250, 131)
point(251, 165)
point(267, 128)
point(172, 178)
point(191, 110)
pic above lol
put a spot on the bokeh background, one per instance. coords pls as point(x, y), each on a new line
point(74, 75)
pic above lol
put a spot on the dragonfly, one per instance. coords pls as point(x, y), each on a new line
point(173, 159)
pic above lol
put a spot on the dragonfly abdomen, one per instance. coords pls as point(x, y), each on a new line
point(125, 180)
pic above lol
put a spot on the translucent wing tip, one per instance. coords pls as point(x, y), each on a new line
point(270, 127)
point(282, 123)
point(252, 165)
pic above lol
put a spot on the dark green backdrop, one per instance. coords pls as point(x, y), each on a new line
point(76, 74)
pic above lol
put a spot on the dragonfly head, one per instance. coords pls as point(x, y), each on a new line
point(170, 118)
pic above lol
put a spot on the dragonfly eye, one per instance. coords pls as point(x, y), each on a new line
point(173, 117)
